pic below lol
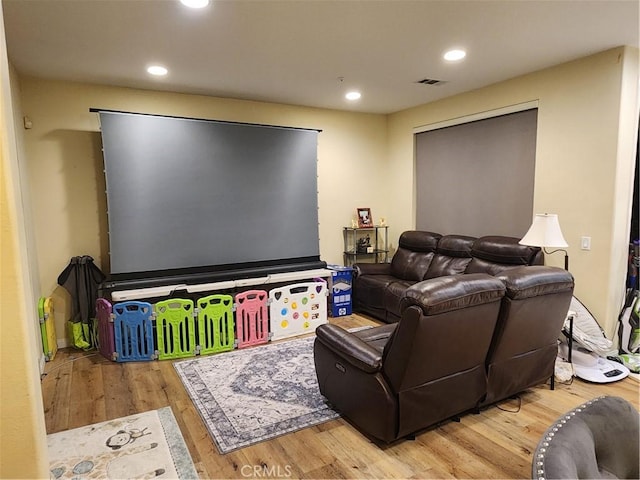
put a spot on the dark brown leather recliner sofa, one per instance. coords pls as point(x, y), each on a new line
point(462, 342)
point(379, 288)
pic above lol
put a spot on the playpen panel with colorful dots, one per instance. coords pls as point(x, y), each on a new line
point(133, 331)
point(175, 329)
point(216, 329)
point(297, 309)
point(252, 321)
point(104, 318)
point(47, 328)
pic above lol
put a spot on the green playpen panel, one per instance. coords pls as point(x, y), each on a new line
point(47, 328)
point(43, 329)
point(175, 329)
point(216, 330)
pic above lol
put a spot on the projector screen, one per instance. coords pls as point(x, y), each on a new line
point(192, 194)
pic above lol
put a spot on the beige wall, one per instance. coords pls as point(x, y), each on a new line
point(587, 125)
point(67, 182)
point(586, 132)
point(23, 446)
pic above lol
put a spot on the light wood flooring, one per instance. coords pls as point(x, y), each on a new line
point(82, 388)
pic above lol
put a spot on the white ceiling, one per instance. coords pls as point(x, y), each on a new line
point(295, 51)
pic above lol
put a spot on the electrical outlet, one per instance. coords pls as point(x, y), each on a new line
point(585, 243)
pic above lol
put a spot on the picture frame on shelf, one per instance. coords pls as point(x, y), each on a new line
point(364, 217)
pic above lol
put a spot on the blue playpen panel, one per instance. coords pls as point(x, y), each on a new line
point(133, 331)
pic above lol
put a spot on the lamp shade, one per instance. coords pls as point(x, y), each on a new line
point(544, 232)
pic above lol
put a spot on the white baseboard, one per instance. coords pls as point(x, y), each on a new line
point(63, 343)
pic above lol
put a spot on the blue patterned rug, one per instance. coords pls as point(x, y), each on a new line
point(248, 396)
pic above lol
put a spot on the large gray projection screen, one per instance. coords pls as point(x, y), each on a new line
point(186, 193)
point(477, 178)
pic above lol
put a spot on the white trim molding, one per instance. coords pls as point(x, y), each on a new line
point(518, 107)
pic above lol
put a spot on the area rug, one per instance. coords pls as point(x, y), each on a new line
point(145, 445)
point(248, 396)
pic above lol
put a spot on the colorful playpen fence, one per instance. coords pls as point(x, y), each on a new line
point(47, 328)
point(297, 309)
point(178, 328)
point(252, 320)
point(133, 331)
point(216, 329)
point(175, 329)
point(105, 338)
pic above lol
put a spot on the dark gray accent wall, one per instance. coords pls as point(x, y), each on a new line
point(477, 178)
point(187, 193)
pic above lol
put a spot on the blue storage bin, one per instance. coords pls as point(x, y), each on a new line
point(340, 285)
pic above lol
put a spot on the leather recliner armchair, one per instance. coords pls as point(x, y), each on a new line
point(393, 380)
point(463, 341)
point(525, 346)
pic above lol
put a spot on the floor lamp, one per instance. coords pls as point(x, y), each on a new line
point(545, 232)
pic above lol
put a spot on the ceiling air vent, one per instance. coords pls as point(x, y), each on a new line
point(430, 81)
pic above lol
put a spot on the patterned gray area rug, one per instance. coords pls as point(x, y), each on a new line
point(144, 445)
point(248, 396)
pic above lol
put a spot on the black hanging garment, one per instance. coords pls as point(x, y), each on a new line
point(81, 278)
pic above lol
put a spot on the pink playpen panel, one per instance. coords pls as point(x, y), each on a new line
point(252, 320)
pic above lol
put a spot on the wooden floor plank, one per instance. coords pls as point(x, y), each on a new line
point(56, 392)
point(305, 451)
point(81, 388)
point(484, 449)
point(118, 391)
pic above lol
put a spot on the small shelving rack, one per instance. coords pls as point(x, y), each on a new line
point(377, 252)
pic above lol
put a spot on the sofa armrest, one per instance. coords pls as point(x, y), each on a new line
point(371, 269)
point(453, 292)
point(526, 282)
point(355, 351)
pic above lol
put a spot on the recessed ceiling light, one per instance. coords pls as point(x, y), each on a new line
point(157, 70)
point(195, 3)
point(353, 95)
point(454, 55)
